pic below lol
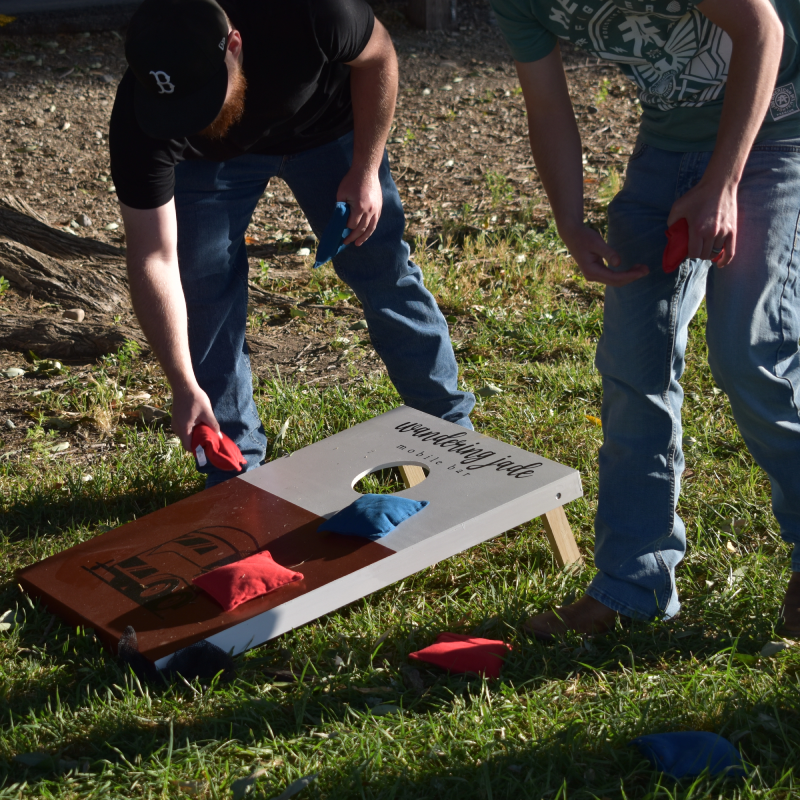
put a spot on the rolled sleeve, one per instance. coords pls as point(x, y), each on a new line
point(527, 38)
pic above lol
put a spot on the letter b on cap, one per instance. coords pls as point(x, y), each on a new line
point(165, 85)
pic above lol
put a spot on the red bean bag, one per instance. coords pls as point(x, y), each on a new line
point(217, 448)
point(245, 580)
point(465, 654)
point(677, 249)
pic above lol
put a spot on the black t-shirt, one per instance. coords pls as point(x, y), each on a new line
point(298, 94)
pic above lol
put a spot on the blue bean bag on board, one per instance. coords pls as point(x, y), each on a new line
point(372, 516)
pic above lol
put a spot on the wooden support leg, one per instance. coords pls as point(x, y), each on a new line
point(411, 475)
point(556, 525)
point(559, 534)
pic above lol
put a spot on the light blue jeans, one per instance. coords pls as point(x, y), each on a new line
point(215, 202)
point(752, 333)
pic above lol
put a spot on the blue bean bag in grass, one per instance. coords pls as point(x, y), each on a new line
point(687, 754)
point(372, 516)
point(336, 231)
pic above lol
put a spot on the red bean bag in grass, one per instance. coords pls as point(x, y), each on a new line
point(245, 580)
point(677, 249)
point(217, 448)
point(465, 654)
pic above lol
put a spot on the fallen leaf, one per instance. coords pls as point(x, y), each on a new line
point(45, 761)
point(10, 619)
point(414, 679)
point(242, 786)
point(281, 434)
point(594, 420)
point(56, 423)
point(293, 788)
point(193, 788)
point(151, 414)
point(771, 648)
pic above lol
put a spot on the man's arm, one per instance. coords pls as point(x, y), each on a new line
point(157, 295)
point(373, 87)
point(556, 147)
point(710, 207)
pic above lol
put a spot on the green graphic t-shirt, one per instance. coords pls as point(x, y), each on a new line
point(677, 57)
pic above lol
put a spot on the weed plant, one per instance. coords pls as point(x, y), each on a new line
point(556, 725)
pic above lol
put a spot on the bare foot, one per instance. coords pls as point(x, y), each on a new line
point(790, 610)
point(586, 615)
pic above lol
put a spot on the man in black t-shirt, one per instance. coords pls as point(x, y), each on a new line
point(218, 99)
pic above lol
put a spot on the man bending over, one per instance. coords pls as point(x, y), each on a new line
point(218, 99)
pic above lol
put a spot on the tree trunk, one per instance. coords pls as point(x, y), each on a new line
point(54, 338)
point(97, 285)
point(20, 223)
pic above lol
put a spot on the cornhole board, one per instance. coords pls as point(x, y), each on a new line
point(141, 573)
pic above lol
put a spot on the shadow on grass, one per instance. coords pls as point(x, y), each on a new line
point(571, 760)
point(47, 511)
point(587, 758)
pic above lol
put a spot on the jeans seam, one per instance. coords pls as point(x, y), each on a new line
point(775, 149)
point(664, 601)
point(783, 326)
point(673, 324)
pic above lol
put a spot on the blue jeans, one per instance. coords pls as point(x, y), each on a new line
point(752, 333)
point(214, 203)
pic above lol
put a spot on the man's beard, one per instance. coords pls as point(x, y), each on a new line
point(233, 109)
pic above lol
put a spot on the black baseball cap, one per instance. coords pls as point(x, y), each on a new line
point(176, 49)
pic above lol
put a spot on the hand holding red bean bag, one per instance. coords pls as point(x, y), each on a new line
point(677, 249)
point(219, 449)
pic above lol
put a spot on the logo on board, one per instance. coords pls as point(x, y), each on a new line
point(473, 456)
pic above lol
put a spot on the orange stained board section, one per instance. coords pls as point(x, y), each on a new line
point(141, 574)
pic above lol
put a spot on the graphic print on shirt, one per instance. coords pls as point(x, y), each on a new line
point(676, 55)
point(784, 102)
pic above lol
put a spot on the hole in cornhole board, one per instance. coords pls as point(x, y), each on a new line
point(389, 480)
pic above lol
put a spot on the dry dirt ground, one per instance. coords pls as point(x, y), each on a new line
point(458, 148)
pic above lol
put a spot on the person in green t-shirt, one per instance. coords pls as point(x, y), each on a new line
point(719, 147)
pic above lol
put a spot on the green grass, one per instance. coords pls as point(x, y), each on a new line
point(558, 722)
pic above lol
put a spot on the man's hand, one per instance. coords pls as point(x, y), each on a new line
point(591, 253)
point(373, 87)
point(157, 295)
point(361, 190)
point(190, 407)
point(711, 214)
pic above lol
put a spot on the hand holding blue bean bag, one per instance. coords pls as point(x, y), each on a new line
point(372, 516)
point(686, 754)
point(335, 233)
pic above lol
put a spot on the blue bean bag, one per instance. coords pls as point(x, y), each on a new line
point(686, 754)
point(336, 231)
point(372, 516)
